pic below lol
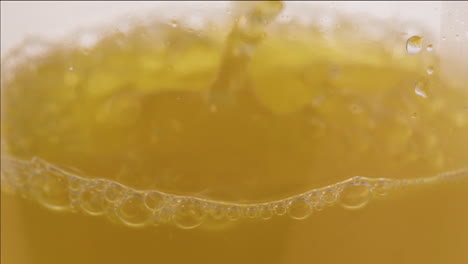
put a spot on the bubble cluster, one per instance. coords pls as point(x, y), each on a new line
point(60, 190)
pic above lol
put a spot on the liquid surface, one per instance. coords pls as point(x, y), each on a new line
point(261, 141)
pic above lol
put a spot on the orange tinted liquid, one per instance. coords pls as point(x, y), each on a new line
point(174, 146)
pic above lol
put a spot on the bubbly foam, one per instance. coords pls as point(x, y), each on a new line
point(61, 190)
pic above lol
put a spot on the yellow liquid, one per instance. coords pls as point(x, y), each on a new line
point(271, 143)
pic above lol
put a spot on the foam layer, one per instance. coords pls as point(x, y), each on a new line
point(61, 190)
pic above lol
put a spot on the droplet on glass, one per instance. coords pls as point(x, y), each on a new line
point(421, 88)
point(430, 70)
point(414, 45)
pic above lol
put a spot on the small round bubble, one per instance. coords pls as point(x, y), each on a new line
point(132, 211)
point(280, 209)
point(188, 214)
point(100, 184)
point(217, 211)
point(75, 183)
point(314, 197)
point(330, 196)
point(114, 192)
point(355, 196)
point(252, 212)
point(382, 188)
point(154, 200)
point(234, 213)
point(91, 200)
point(266, 212)
point(320, 206)
point(299, 209)
point(50, 188)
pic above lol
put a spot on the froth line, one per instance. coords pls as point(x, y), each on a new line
point(61, 190)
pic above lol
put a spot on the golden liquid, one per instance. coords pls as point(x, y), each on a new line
point(271, 143)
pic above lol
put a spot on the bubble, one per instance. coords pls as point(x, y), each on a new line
point(75, 197)
point(280, 209)
point(189, 214)
point(266, 212)
point(71, 68)
point(59, 190)
point(91, 200)
point(50, 189)
point(234, 213)
point(75, 183)
point(252, 212)
point(299, 209)
point(320, 206)
point(154, 200)
point(430, 70)
point(314, 197)
point(115, 192)
point(38, 165)
point(217, 211)
point(330, 196)
point(112, 216)
point(382, 188)
point(100, 184)
point(429, 47)
point(164, 215)
point(355, 196)
point(414, 45)
point(132, 211)
point(420, 87)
